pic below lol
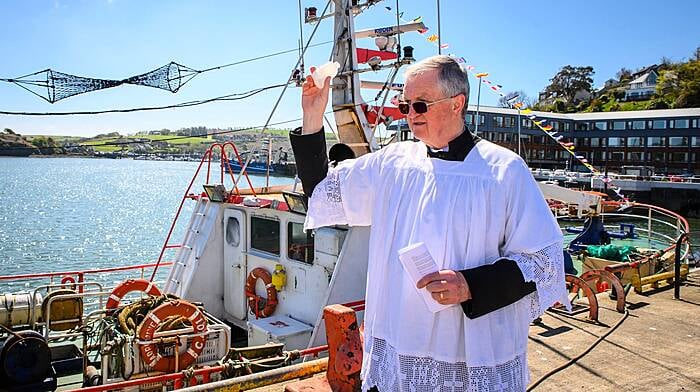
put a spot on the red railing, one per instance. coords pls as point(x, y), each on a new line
point(225, 163)
point(67, 277)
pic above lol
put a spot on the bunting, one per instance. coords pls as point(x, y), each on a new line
point(541, 123)
point(497, 89)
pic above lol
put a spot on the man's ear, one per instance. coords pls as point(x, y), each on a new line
point(459, 103)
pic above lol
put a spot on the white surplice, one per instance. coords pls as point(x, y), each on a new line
point(468, 214)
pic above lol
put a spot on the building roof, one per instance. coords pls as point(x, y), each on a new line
point(632, 114)
point(642, 78)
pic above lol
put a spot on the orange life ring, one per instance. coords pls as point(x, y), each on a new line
point(255, 302)
point(129, 286)
point(68, 279)
point(150, 324)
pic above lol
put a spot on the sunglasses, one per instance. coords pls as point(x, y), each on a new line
point(419, 107)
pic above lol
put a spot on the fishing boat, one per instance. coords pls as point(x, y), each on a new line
point(245, 275)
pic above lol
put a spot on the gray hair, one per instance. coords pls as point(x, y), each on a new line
point(452, 78)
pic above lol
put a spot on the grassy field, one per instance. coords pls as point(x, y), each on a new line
point(179, 139)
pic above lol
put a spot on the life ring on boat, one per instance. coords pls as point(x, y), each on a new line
point(260, 307)
point(129, 286)
point(68, 280)
point(151, 323)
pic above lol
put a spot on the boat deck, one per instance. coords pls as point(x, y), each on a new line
point(655, 348)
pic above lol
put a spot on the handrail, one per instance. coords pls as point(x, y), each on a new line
point(83, 272)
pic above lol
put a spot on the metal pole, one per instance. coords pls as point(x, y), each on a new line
point(518, 130)
point(438, 22)
point(677, 267)
point(478, 102)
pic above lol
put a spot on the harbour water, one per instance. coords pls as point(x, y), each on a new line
point(76, 214)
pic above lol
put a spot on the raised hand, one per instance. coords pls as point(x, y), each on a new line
point(313, 103)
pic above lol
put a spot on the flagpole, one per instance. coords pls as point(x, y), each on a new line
point(478, 102)
point(438, 22)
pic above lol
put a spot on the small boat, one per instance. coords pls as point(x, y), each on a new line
point(253, 167)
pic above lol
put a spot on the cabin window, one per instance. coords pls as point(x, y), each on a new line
point(567, 126)
point(600, 126)
point(233, 232)
point(469, 119)
point(582, 126)
point(638, 124)
point(265, 235)
point(510, 122)
point(696, 141)
point(498, 121)
point(617, 156)
point(300, 243)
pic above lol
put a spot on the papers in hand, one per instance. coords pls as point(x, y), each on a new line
point(418, 262)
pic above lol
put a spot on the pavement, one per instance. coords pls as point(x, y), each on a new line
point(655, 346)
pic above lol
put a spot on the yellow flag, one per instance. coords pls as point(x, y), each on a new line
point(432, 38)
point(527, 111)
point(482, 74)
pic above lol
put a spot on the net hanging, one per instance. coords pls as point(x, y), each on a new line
point(59, 85)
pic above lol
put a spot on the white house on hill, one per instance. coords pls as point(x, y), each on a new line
point(643, 87)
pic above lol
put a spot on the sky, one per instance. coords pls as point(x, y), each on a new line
point(521, 44)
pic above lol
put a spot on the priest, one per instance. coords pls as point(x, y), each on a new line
point(482, 217)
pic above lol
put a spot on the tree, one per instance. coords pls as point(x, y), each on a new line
point(521, 97)
point(623, 74)
point(689, 85)
point(568, 81)
point(697, 54)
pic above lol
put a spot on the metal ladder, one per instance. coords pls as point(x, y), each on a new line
point(184, 257)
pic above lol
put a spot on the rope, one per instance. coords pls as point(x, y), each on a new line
point(170, 77)
point(576, 358)
point(228, 97)
point(174, 137)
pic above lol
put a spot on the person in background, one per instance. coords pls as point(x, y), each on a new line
point(481, 215)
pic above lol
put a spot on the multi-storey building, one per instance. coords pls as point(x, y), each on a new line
point(667, 140)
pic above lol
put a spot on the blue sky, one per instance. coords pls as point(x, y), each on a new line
point(521, 44)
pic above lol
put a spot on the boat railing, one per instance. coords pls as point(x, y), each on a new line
point(654, 219)
point(75, 278)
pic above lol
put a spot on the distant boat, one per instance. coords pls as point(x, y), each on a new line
point(253, 167)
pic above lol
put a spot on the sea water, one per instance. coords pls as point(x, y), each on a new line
point(60, 214)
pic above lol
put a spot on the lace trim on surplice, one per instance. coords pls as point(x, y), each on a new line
point(546, 268)
point(391, 372)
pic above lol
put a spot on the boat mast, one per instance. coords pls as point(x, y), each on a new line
point(353, 127)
